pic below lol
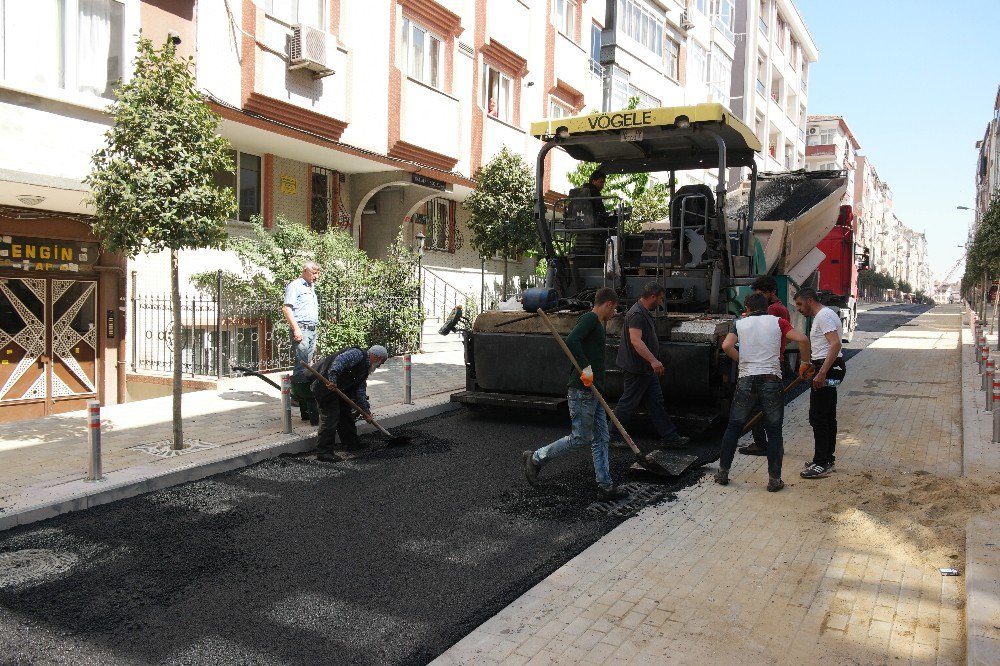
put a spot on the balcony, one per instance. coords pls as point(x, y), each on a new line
point(761, 88)
point(498, 134)
point(821, 150)
point(430, 119)
point(505, 23)
point(571, 64)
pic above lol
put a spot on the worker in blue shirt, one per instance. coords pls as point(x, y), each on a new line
point(301, 309)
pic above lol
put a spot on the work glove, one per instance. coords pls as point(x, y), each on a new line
point(587, 376)
point(806, 370)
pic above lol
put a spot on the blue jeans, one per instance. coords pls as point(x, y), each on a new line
point(766, 391)
point(590, 428)
point(303, 351)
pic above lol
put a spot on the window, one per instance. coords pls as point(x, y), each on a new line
point(74, 45)
point(724, 13)
point(245, 182)
point(721, 75)
point(672, 52)
point(762, 22)
point(827, 137)
point(323, 204)
point(642, 25)
point(701, 6)
point(761, 77)
point(439, 220)
point(699, 64)
point(564, 16)
point(595, 50)
point(622, 91)
point(559, 110)
point(497, 97)
point(779, 34)
point(421, 54)
point(310, 12)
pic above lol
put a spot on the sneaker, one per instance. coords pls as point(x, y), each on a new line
point(754, 449)
point(722, 476)
point(816, 471)
point(531, 468)
point(774, 485)
point(675, 443)
point(611, 493)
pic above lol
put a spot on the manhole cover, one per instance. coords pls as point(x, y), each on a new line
point(640, 495)
point(33, 566)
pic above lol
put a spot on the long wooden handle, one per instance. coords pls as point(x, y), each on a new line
point(333, 387)
point(572, 359)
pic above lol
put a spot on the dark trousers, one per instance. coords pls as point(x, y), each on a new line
point(765, 391)
point(645, 390)
point(306, 400)
point(823, 419)
point(336, 418)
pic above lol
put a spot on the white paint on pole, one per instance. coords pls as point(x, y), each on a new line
point(286, 403)
point(407, 379)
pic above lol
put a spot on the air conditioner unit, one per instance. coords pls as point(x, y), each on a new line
point(686, 23)
point(307, 50)
point(812, 130)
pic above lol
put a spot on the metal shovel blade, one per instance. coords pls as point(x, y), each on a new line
point(673, 463)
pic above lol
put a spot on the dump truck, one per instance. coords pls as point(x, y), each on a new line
point(706, 254)
point(838, 273)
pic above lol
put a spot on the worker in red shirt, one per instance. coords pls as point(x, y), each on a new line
point(768, 286)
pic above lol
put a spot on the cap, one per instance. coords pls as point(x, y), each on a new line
point(379, 351)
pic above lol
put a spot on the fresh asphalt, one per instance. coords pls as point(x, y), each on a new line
point(388, 558)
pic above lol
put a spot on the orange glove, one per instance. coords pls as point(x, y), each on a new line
point(587, 376)
point(806, 370)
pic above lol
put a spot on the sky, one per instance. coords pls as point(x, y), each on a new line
point(916, 81)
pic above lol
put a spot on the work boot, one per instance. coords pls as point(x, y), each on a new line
point(531, 468)
point(328, 457)
point(677, 442)
point(774, 484)
point(754, 449)
point(722, 476)
point(610, 493)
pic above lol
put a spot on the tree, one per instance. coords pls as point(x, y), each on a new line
point(983, 253)
point(152, 183)
point(502, 206)
point(649, 202)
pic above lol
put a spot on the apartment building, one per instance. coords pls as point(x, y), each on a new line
point(770, 83)
point(988, 162)
point(830, 144)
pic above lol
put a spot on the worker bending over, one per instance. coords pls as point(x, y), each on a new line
point(587, 341)
point(348, 370)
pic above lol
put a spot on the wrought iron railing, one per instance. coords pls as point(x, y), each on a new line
point(439, 296)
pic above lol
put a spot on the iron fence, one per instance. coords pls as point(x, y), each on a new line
point(218, 334)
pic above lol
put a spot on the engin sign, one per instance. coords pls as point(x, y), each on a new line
point(46, 254)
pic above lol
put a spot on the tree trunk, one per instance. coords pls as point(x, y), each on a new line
point(175, 306)
point(505, 277)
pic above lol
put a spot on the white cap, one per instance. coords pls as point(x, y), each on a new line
point(379, 351)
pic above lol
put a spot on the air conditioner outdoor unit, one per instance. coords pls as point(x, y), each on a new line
point(812, 130)
point(307, 50)
point(686, 23)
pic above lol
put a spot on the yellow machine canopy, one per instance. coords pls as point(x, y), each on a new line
point(662, 139)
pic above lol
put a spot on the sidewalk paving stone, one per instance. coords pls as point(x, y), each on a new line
point(836, 570)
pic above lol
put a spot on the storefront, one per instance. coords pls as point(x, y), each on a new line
point(61, 316)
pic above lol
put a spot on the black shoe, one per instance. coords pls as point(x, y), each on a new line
point(774, 484)
point(611, 493)
point(328, 457)
point(754, 449)
point(531, 468)
point(314, 420)
point(677, 442)
point(722, 476)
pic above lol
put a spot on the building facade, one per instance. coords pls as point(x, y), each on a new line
point(988, 163)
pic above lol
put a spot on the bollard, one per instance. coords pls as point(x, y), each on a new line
point(983, 353)
point(286, 402)
point(407, 380)
point(988, 375)
point(94, 435)
point(996, 412)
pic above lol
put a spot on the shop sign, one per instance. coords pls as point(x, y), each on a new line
point(45, 254)
point(417, 179)
point(289, 185)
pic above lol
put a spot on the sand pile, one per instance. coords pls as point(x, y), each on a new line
point(918, 517)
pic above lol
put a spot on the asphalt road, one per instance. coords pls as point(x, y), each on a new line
point(388, 558)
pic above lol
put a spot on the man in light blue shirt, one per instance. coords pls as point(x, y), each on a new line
point(301, 310)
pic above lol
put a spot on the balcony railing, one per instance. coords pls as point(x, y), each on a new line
point(595, 68)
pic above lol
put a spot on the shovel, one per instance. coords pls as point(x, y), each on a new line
point(657, 462)
point(392, 440)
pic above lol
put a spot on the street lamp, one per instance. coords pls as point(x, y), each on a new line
point(962, 208)
point(420, 238)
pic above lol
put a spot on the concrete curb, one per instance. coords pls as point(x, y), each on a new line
point(982, 591)
point(79, 494)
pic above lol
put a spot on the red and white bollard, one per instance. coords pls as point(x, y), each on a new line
point(988, 375)
point(407, 379)
point(983, 355)
point(286, 403)
point(94, 472)
point(996, 411)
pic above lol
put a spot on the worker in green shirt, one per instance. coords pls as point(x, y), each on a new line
point(587, 341)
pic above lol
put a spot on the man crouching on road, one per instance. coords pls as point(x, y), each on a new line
point(587, 341)
point(760, 336)
point(348, 370)
point(828, 360)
